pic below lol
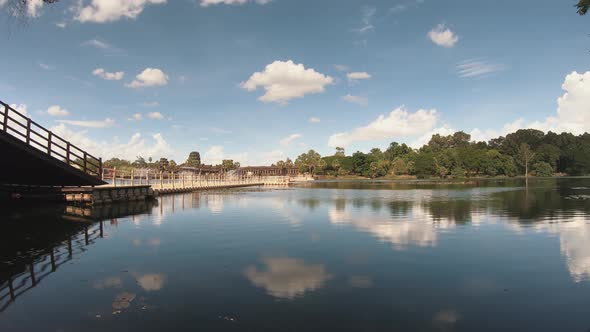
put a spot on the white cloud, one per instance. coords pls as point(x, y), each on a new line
point(105, 75)
point(289, 139)
point(443, 36)
point(424, 139)
point(97, 43)
point(285, 80)
point(573, 112)
point(363, 101)
point(366, 19)
point(341, 67)
point(61, 24)
point(220, 130)
point(89, 124)
point(355, 76)
point(101, 11)
point(45, 66)
point(136, 146)
point(151, 104)
point(216, 154)
point(398, 123)
point(56, 110)
point(149, 77)
point(206, 3)
point(155, 115)
point(136, 117)
point(477, 68)
point(314, 120)
point(21, 108)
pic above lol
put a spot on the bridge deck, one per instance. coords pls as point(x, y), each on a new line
point(33, 155)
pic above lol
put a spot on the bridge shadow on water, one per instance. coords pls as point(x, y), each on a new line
point(36, 241)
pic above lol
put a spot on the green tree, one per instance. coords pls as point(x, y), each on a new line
point(583, 6)
point(229, 164)
point(542, 169)
point(308, 162)
point(340, 152)
point(399, 166)
point(425, 165)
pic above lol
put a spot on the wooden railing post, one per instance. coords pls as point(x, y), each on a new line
point(28, 131)
point(100, 170)
point(115, 176)
point(173, 180)
point(5, 120)
point(68, 145)
point(132, 176)
point(85, 162)
point(161, 181)
point(49, 138)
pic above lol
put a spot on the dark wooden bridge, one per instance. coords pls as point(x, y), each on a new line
point(34, 156)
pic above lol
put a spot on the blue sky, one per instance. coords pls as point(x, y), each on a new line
point(259, 81)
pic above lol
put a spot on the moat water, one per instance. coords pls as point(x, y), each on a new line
point(328, 256)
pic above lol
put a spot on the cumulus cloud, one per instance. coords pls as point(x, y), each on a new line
point(135, 146)
point(443, 36)
point(109, 76)
point(206, 3)
point(289, 139)
point(398, 123)
point(477, 68)
point(314, 120)
point(363, 101)
point(155, 115)
point(216, 154)
point(355, 76)
point(445, 130)
point(101, 11)
point(89, 124)
point(149, 77)
point(285, 80)
point(573, 112)
point(56, 110)
point(136, 117)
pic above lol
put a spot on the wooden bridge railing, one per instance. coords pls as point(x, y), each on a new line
point(20, 126)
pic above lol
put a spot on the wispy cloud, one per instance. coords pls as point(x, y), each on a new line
point(45, 66)
point(220, 130)
point(89, 124)
point(477, 68)
point(313, 120)
point(367, 14)
point(289, 139)
point(363, 101)
point(104, 46)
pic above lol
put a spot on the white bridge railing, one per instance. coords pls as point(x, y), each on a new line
point(167, 180)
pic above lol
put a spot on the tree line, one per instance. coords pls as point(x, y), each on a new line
point(524, 152)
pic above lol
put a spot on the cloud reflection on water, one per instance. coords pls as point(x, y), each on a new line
point(287, 278)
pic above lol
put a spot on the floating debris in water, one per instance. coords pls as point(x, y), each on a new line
point(228, 318)
point(123, 301)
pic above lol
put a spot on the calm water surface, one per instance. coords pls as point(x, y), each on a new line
point(328, 256)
